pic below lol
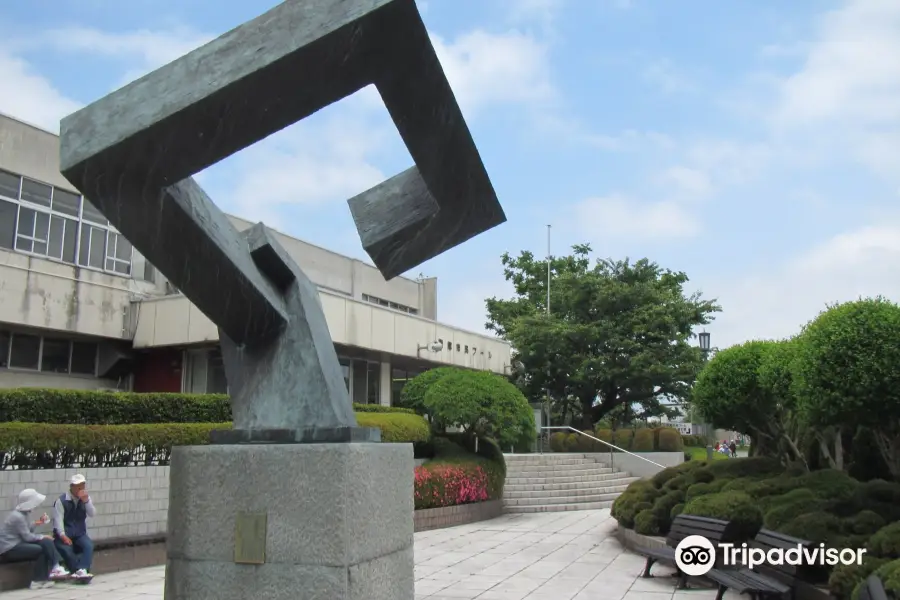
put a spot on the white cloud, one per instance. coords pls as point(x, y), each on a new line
point(664, 75)
point(36, 100)
point(618, 217)
point(486, 69)
point(778, 302)
point(687, 182)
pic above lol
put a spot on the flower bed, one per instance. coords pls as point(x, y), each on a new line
point(458, 476)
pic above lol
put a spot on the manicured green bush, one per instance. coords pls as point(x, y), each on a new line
point(676, 510)
point(665, 475)
point(662, 509)
point(741, 484)
point(889, 573)
point(669, 440)
point(605, 435)
point(587, 443)
point(866, 522)
point(701, 489)
point(638, 496)
point(818, 527)
point(622, 438)
point(681, 482)
point(647, 523)
point(828, 484)
point(558, 441)
point(396, 427)
point(787, 507)
point(770, 487)
point(702, 474)
point(570, 443)
point(885, 543)
point(737, 507)
point(642, 441)
point(844, 578)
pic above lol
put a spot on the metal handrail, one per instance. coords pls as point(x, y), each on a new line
point(612, 447)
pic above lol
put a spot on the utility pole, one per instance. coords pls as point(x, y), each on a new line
point(548, 318)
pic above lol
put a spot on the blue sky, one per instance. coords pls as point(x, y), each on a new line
point(754, 145)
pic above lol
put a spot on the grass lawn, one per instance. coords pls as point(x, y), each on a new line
point(698, 453)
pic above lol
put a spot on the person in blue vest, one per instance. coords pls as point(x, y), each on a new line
point(71, 512)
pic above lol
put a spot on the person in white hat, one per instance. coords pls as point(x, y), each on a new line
point(70, 514)
point(19, 542)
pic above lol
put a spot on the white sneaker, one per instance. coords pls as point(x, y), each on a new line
point(58, 572)
point(82, 574)
point(40, 585)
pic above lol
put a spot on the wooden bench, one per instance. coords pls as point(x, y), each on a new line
point(872, 589)
point(715, 530)
point(110, 555)
point(766, 580)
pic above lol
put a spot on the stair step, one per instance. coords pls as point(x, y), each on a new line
point(560, 478)
point(559, 507)
point(566, 460)
point(613, 480)
point(548, 494)
point(549, 500)
point(593, 466)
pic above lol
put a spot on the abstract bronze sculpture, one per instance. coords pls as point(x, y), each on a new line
point(133, 153)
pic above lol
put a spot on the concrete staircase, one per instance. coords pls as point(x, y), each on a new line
point(555, 482)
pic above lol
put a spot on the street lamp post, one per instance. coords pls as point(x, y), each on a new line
point(705, 346)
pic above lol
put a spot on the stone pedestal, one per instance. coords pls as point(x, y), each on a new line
point(338, 522)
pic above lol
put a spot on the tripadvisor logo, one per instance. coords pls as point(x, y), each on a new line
point(695, 556)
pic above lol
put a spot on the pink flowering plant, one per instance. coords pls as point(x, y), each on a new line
point(451, 484)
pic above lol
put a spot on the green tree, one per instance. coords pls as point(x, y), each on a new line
point(747, 388)
point(847, 375)
point(479, 402)
point(619, 333)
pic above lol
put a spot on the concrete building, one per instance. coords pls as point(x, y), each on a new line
point(80, 308)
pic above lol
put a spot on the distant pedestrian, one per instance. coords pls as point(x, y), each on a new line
point(733, 448)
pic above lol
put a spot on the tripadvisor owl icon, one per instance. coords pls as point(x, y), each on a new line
point(695, 555)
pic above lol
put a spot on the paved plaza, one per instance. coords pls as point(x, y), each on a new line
point(543, 556)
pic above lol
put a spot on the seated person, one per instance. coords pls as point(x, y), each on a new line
point(19, 542)
point(70, 514)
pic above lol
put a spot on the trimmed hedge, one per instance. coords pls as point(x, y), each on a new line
point(669, 440)
point(643, 441)
point(92, 407)
point(49, 446)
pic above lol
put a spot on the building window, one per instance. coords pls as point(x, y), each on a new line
point(374, 382)
point(50, 355)
point(25, 351)
point(36, 218)
point(399, 378)
point(389, 304)
point(216, 383)
point(345, 370)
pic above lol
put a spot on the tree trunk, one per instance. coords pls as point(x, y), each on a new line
point(889, 445)
point(839, 449)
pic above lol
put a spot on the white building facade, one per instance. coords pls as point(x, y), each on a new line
point(80, 308)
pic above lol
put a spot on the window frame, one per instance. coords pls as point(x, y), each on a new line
point(11, 336)
point(79, 222)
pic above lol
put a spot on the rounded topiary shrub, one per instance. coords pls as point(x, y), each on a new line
point(736, 507)
point(787, 507)
point(676, 510)
point(681, 482)
point(770, 487)
point(662, 508)
point(844, 578)
point(602, 433)
point(558, 441)
point(828, 484)
point(638, 496)
point(570, 442)
point(702, 489)
point(646, 522)
point(866, 522)
point(885, 543)
point(817, 527)
point(642, 441)
point(669, 440)
point(702, 475)
point(622, 438)
point(665, 475)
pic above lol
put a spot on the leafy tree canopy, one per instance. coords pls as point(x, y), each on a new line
point(619, 332)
